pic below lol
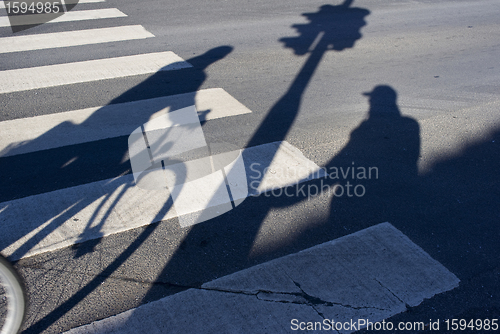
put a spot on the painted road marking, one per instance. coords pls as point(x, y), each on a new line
point(38, 133)
point(60, 218)
point(199, 184)
point(90, 70)
point(78, 15)
point(72, 38)
point(371, 275)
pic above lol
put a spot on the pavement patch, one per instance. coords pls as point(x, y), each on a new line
point(372, 275)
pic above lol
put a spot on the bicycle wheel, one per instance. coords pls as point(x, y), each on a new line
point(12, 299)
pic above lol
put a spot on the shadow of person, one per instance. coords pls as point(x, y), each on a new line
point(379, 160)
point(385, 140)
point(165, 83)
point(189, 81)
point(90, 160)
point(107, 153)
point(372, 179)
point(86, 154)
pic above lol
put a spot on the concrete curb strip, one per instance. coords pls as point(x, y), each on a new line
point(372, 274)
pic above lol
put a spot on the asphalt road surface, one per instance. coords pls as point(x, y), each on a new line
point(407, 88)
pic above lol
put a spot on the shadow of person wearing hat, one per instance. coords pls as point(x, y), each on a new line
point(374, 178)
point(383, 151)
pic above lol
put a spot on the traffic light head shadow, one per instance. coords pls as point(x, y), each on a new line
point(332, 27)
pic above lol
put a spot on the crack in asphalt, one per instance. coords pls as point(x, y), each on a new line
point(392, 293)
point(301, 298)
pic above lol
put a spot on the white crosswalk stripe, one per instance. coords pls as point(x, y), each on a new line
point(120, 119)
point(73, 15)
point(72, 38)
point(408, 276)
point(117, 205)
point(90, 70)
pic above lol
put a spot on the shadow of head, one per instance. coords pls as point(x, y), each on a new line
point(331, 27)
point(211, 56)
point(383, 101)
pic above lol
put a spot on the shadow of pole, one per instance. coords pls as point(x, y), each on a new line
point(331, 28)
point(222, 245)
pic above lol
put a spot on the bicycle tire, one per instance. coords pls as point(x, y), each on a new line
point(12, 298)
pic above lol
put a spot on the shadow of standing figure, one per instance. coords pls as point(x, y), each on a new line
point(89, 159)
point(382, 153)
point(161, 84)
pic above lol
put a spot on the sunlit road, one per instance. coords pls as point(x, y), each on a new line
point(409, 88)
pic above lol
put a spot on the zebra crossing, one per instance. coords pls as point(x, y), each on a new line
point(41, 223)
point(57, 219)
point(55, 227)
